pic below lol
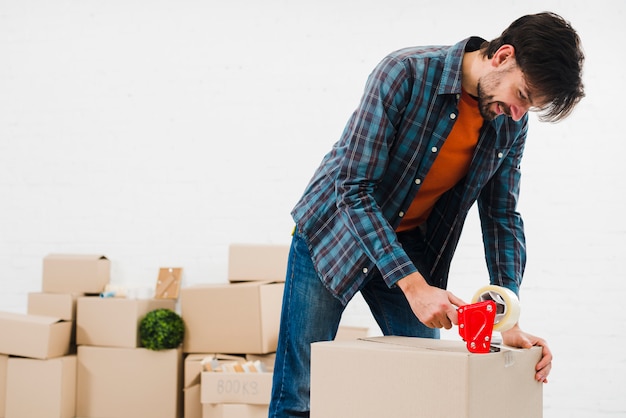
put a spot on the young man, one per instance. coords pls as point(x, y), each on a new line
point(437, 129)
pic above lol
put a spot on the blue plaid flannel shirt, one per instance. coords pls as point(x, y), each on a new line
point(358, 195)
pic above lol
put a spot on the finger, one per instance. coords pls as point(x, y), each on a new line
point(453, 317)
point(544, 366)
point(546, 358)
point(542, 374)
point(455, 300)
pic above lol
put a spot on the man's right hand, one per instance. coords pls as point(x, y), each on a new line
point(434, 307)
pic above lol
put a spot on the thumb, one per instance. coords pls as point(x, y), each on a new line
point(455, 300)
point(526, 343)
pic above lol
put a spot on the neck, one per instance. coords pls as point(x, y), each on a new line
point(470, 71)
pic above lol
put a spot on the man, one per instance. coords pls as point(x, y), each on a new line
point(437, 129)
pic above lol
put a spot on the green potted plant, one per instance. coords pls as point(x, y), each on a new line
point(161, 329)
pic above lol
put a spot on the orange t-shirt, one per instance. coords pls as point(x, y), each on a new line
point(450, 166)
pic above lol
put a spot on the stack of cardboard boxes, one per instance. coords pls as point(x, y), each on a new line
point(245, 316)
point(78, 354)
point(38, 348)
point(116, 377)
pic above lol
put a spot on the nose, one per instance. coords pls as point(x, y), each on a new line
point(518, 112)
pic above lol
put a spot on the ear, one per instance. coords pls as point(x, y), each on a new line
point(503, 55)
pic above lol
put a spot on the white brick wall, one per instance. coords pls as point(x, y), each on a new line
point(159, 132)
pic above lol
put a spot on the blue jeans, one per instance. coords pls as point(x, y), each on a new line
point(311, 313)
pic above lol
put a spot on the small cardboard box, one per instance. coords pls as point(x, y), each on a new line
point(34, 336)
point(191, 381)
point(234, 411)
point(257, 262)
point(232, 318)
point(246, 388)
point(226, 381)
point(128, 383)
point(424, 377)
point(113, 322)
point(41, 388)
point(3, 382)
point(75, 273)
point(60, 305)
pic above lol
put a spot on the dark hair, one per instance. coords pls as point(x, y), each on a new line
point(549, 53)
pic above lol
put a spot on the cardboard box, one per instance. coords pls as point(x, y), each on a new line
point(128, 383)
point(257, 262)
point(60, 305)
point(41, 388)
point(234, 411)
point(226, 381)
point(422, 378)
point(247, 388)
point(232, 318)
point(3, 382)
point(113, 322)
point(34, 336)
point(75, 273)
point(191, 380)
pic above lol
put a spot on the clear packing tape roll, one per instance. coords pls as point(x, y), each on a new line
point(507, 305)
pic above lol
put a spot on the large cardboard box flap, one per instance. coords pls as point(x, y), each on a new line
point(424, 377)
point(75, 273)
point(35, 336)
point(257, 262)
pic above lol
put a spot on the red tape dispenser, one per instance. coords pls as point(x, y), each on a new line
point(476, 325)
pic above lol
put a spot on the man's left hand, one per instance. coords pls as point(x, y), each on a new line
point(515, 337)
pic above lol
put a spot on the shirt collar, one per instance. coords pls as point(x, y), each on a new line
point(451, 77)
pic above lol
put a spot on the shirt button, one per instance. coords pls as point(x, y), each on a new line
point(364, 270)
point(418, 181)
point(453, 116)
point(401, 214)
point(500, 155)
point(434, 149)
